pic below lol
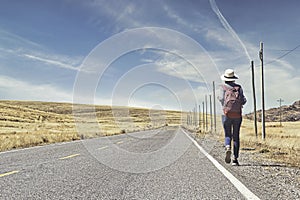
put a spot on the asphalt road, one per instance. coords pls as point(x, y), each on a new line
point(161, 164)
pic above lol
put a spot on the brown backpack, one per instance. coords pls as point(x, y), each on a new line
point(232, 99)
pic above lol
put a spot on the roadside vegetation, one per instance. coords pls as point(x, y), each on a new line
point(27, 123)
point(282, 143)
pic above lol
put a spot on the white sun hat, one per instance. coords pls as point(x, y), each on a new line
point(229, 75)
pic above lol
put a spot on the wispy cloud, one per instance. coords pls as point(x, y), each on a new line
point(17, 47)
point(227, 26)
point(181, 21)
point(121, 16)
point(51, 62)
point(12, 88)
point(198, 71)
point(221, 38)
point(13, 39)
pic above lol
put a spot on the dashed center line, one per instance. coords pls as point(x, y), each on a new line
point(120, 142)
point(70, 156)
point(8, 173)
point(102, 148)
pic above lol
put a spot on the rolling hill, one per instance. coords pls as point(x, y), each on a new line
point(30, 123)
point(288, 113)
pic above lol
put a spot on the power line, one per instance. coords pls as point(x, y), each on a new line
point(285, 54)
point(281, 50)
point(288, 52)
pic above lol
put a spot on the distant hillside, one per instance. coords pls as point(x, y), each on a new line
point(288, 113)
point(30, 123)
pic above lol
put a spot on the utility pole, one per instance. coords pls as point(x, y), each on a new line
point(203, 117)
point(199, 116)
point(210, 111)
point(262, 92)
point(196, 117)
point(280, 101)
point(254, 98)
point(215, 115)
point(191, 118)
point(206, 123)
point(187, 119)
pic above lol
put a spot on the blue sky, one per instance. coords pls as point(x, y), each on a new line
point(47, 49)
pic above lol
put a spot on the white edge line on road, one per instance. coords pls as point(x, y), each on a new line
point(238, 184)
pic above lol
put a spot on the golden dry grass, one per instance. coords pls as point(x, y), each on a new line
point(282, 143)
point(27, 123)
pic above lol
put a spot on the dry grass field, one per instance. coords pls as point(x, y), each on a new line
point(282, 143)
point(27, 123)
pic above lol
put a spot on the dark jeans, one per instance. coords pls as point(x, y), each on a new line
point(232, 131)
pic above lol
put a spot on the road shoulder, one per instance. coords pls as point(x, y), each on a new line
point(267, 179)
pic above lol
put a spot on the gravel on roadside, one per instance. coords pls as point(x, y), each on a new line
point(267, 179)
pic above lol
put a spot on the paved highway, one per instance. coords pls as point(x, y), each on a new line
point(159, 164)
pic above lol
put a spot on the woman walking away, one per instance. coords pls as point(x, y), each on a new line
point(232, 99)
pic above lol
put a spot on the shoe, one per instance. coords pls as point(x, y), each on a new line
point(235, 162)
point(228, 155)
